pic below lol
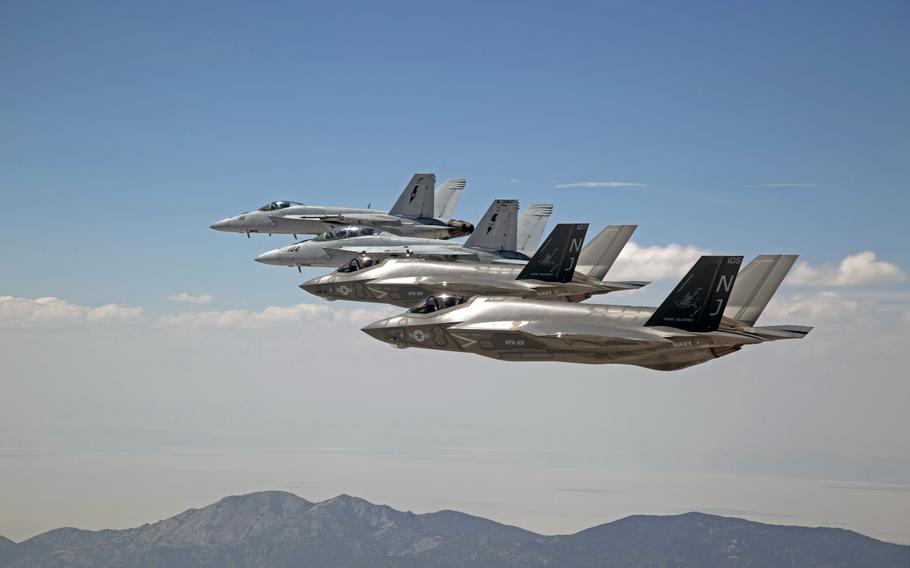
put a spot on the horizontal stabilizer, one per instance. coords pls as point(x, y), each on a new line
point(555, 260)
point(698, 301)
point(775, 332)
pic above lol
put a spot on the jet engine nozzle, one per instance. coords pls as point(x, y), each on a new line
point(463, 227)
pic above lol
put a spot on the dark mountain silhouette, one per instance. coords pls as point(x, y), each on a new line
point(278, 529)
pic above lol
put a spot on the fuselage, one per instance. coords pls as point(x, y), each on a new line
point(271, 218)
point(407, 282)
point(328, 250)
point(292, 218)
point(527, 330)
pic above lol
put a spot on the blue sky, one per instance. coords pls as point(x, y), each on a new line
point(765, 127)
point(131, 127)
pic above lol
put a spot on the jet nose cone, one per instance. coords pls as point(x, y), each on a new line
point(380, 330)
point(221, 225)
point(272, 257)
point(312, 286)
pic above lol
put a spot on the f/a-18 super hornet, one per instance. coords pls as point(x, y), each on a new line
point(418, 212)
point(710, 313)
point(550, 274)
point(496, 237)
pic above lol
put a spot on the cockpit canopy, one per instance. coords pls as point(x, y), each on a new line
point(346, 233)
point(439, 302)
point(358, 263)
point(276, 205)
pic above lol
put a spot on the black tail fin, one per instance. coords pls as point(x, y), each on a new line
point(698, 301)
point(556, 258)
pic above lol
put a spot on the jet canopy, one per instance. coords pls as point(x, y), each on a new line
point(436, 303)
point(346, 233)
point(358, 263)
point(276, 205)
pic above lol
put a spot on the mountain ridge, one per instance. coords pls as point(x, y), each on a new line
point(280, 529)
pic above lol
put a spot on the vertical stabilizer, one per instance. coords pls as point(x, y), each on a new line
point(531, 224)
point(498, 229)
point(555, 260)
point(755, 285)
point(599, 255)
point(698, 301)
point(417, 199)
point(446, 198)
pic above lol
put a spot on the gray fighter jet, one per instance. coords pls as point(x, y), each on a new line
point(416, 213)
point(496, 238)
point(550, 274)
point(709, 314)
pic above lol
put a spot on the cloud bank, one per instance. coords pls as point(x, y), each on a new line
point(855, 270)
point(274, 316)
point(672, 261)
point(48, 310)
point(188, 298)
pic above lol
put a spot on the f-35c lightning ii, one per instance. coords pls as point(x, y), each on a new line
point(709, 314)
point(550, 274)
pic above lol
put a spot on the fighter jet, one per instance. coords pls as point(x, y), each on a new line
point(416, 213)
point(550, 274)
point(496, 238)
point(709, 314)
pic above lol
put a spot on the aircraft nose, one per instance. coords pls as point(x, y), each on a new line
point(221, 225)
point(380, 330)
point(272, 257)
point(312, 286)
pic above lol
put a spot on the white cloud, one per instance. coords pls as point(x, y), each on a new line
point(610, 184)
point(190, 298)
point(779, 185)
point(275, 316)
point(857, 269)
point(654, 263)
point(26, 311)
point(813, 308)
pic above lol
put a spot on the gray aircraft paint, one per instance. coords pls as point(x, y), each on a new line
point(412, 215)
point(329, 251)
point(406, 282)
point(515, 329)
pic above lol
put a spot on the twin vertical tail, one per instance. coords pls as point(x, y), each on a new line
point(498, 229)
point(698, 301)
point(555, 260)
point(446, 198)
point(755, 285)
point(531, 223)
point(417, 199)
point(599, 255)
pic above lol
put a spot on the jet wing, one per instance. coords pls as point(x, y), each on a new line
point(407, 250)
point(435, 285)
point(351, 219)
point(579, 336)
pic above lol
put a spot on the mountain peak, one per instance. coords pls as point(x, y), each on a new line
point(277, 528)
